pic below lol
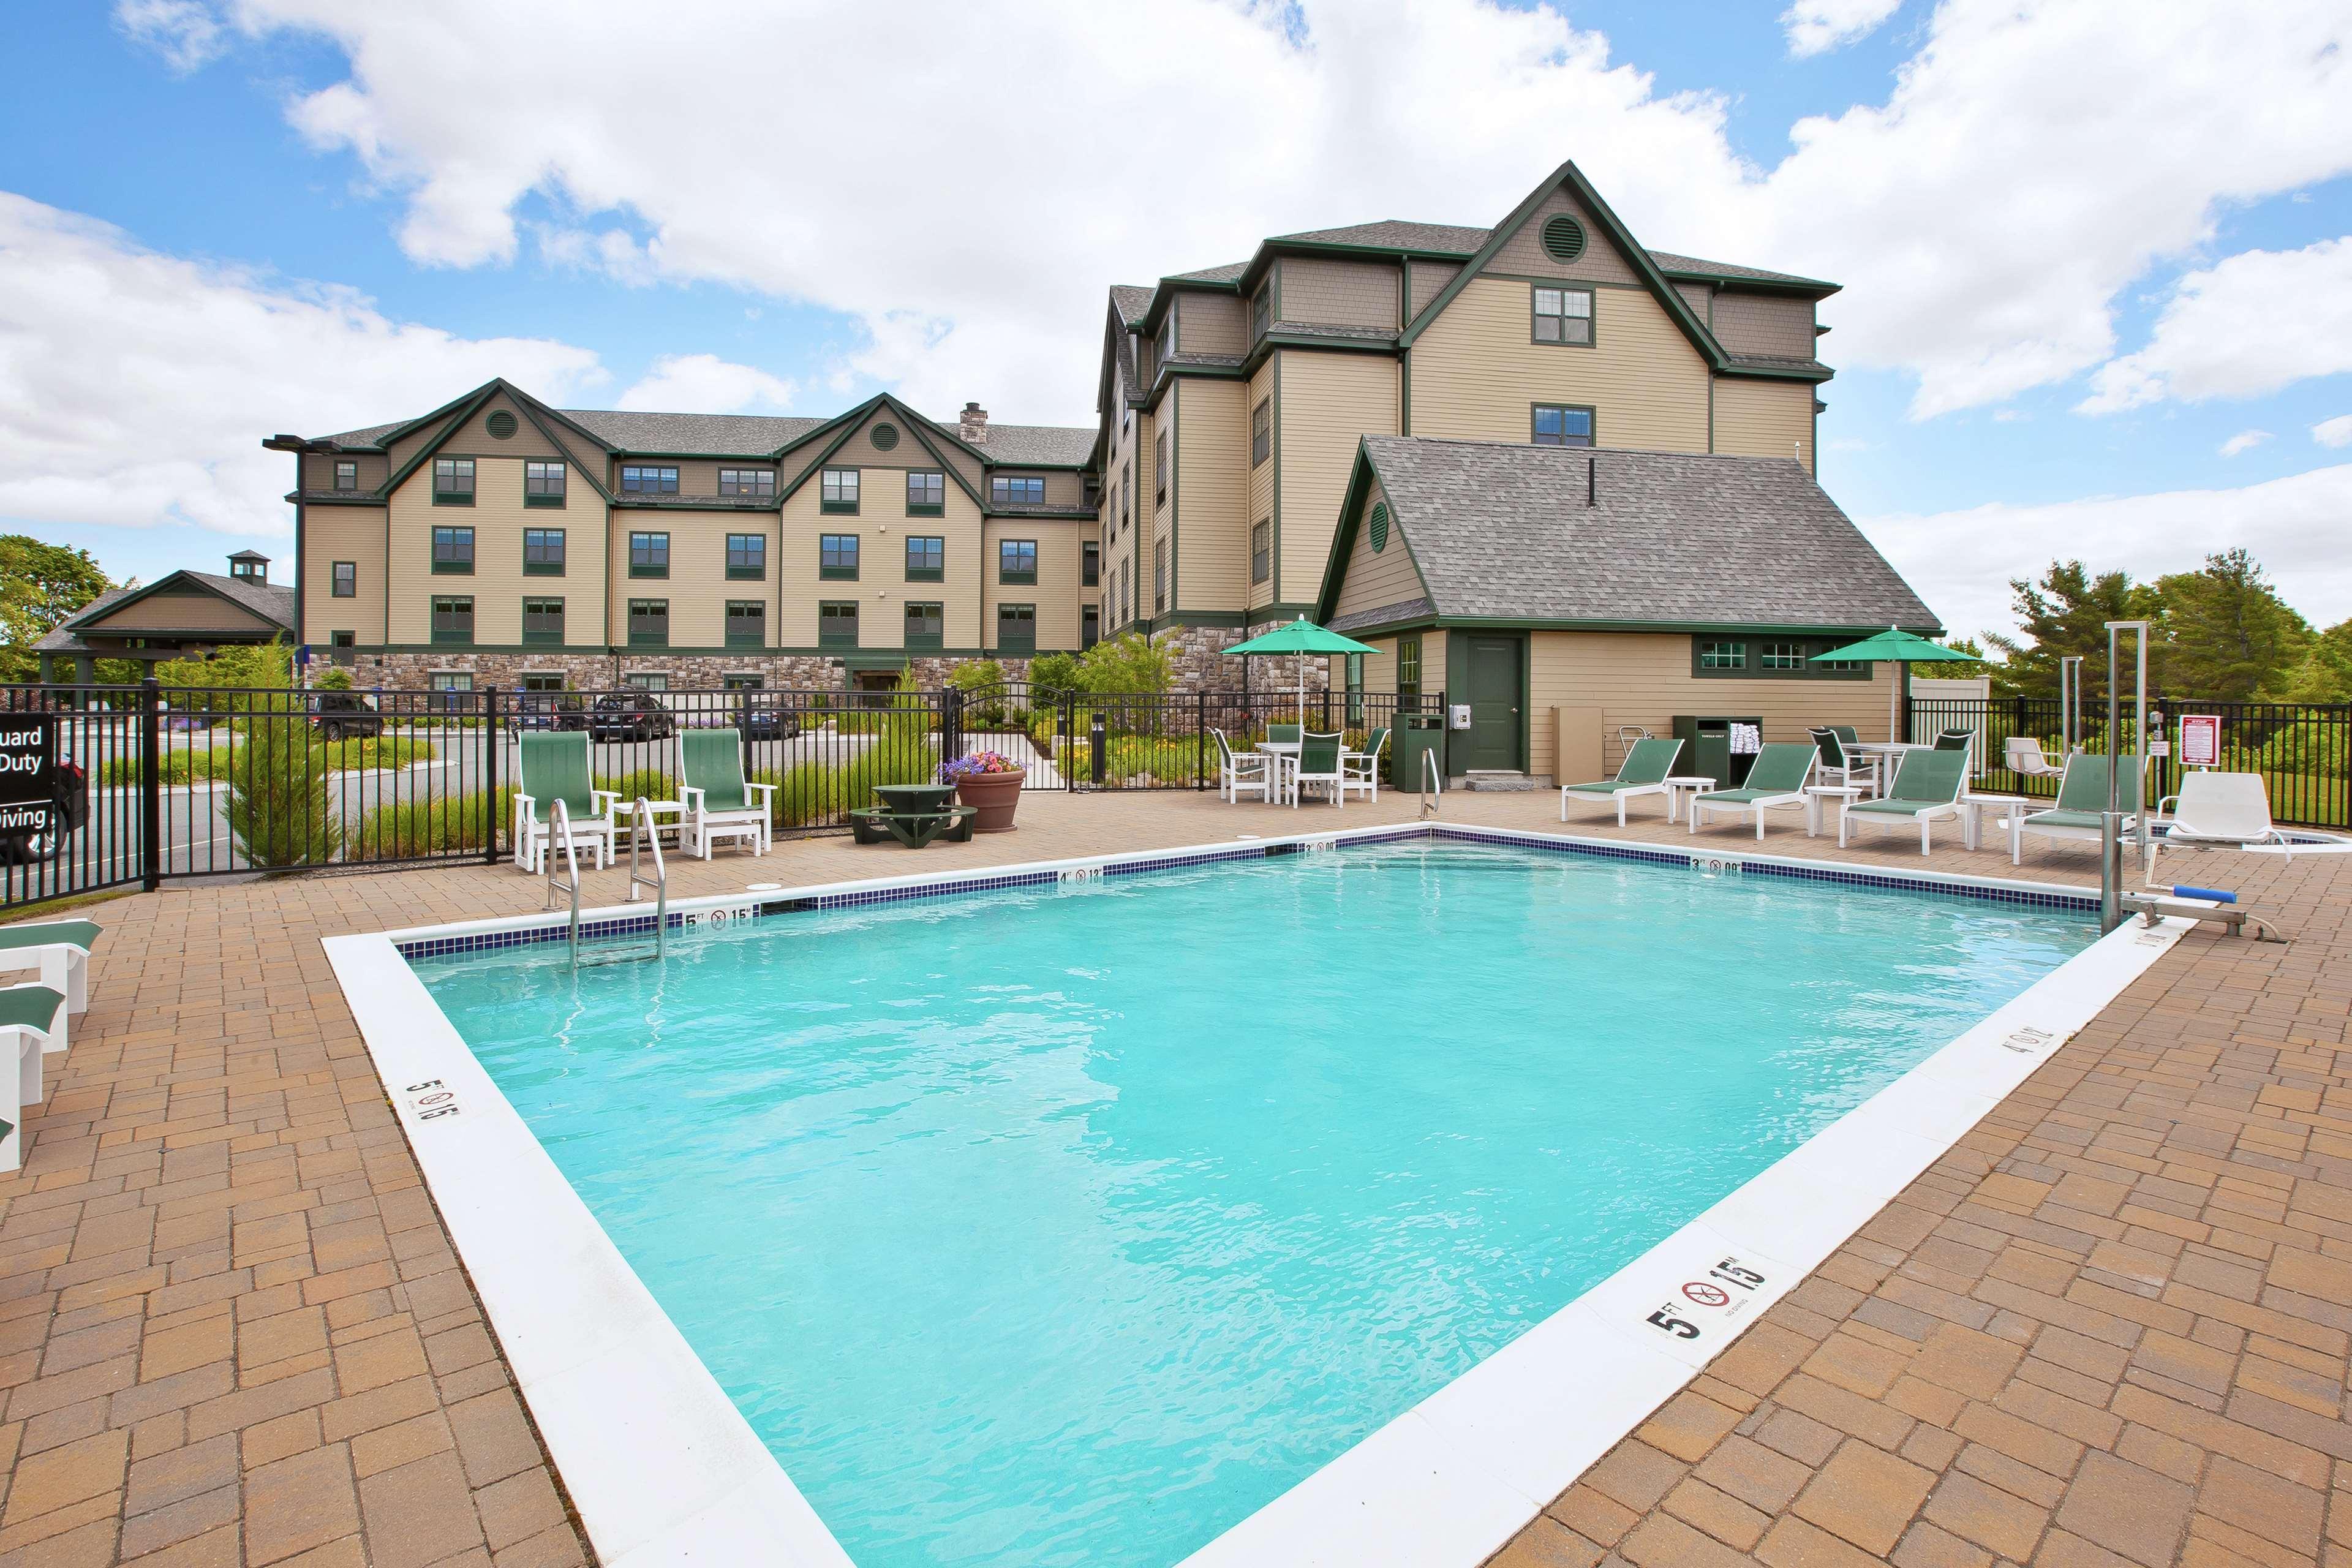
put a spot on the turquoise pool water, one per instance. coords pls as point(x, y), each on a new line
point(1072, 1226)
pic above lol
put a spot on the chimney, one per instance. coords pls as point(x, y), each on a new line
point(973, 423)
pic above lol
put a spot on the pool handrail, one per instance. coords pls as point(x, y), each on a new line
point(642, 830)
point(559, 817)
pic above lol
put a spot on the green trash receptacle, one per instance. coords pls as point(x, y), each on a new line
point(1415, 735)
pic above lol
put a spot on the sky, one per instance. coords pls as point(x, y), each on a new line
point(2096, 257)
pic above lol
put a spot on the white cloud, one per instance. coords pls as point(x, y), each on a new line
point(2249, 325)
point(186, 34)
point(138, 386)
point(2244, 441)
point(1816, 26)
point(2336, 432)
point(1983, 221)
point(705, 383)
point(1960, 561)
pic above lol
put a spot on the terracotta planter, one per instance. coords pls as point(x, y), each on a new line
point(996, 794)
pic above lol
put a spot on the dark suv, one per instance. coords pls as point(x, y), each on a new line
point(344, 716)
point(68, 809)
point(630, 716)
point(546, 710)
point(770, 717)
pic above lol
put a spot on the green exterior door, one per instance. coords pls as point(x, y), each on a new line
point(1493, 738)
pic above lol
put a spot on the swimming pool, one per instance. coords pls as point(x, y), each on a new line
point(1078, 1223)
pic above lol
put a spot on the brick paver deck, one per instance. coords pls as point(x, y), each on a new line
point(2111, 1327)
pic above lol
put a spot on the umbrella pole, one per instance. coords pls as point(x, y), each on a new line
point(1894, 701)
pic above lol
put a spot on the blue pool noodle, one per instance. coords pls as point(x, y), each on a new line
point(2216, 894)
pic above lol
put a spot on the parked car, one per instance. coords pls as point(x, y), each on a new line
point(546, 710)
point(630, 716)
point(768, 718)
point(345, 716)
point(68, 809)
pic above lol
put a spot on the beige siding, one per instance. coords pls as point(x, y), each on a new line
point(350, 534)
point(860, 452)
point(1429, 280)
point(193, 611)
point(1211, 563)
point(1644, 678)
point(1210, 324)
point(1376, 579)
point(1433, 664)
point(497, 518)
point(1261, 475)
point(881, 589)
point(957, 458)
point(1755, 419)
point(1329, 402)
point(1055, 592)
point(319, 469)
point(697, 588)
point(1523, 254)
point(1764, 324)
point(1477, 375)
point(1339, 293)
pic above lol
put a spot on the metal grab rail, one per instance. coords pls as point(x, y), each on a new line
point(1432, 784)
point(642, 831)
point(558, 831)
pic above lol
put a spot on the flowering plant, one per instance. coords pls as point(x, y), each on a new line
point(977, 763)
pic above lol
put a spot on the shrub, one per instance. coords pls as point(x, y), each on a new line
point(410, 829)
point(814, 794)
point(337, 678)
point(1133, 663)
point(278, 808)
point(1055, 679)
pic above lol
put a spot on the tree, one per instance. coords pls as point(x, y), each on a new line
point(2227, 633)
point(1053, 679)
point(2324, 672)
point(2066, 613)
point(40, 585)
point(1977, 665)
point(1129, 664)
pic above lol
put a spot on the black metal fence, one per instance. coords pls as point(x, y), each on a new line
point(2304, 750)
point(149, 783)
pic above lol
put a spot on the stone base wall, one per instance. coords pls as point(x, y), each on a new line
point(1202, 664)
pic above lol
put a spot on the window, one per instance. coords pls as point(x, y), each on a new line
point(542, 621)
point(1562, 425)
point(1090, 564)
point(343, 639)
point(1262, 431)
point(542, 553)
point(347, 475)
point(452, 689)
point(1262, 309)
point(1563, 316)
point(346, 580)
point(453, 482)
point(649, 555)
point(453, 620)
point(453, 550)
point(837, 556)
point(926, 493)
point(836, 625)
point(1127, 492)
point(543, 484)
point(1089, 627)
point(648, 623)
point(1773, 658)
point(1262, 551)
point(742, 681)
point(1354, 688)
point(746, 557)
point(1408, 673)
point(1016, 561)
point(926, 558)
point(925, 627)
point(1160, 461)
point(839, 489)
point(1017, 489)
point(748, 484)
point(1016, 629)
point(638, 481)
point(1159, 578)
point(543, 680)
point(747, 623)
point(646, 680)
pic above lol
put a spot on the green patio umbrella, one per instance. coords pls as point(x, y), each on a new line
point(1894, 645)
point(1301, 637)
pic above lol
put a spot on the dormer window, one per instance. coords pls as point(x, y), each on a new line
point(347, 475)
point(748, 484)
point(637, 480)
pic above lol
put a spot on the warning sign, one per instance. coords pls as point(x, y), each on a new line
point(2201, 740)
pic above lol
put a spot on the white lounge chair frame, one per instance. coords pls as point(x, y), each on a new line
point(62, 966)
point(1704, 804)
point(22, 1047)
point(703, 826)
point(1299, 778)
point(2225, 811)
point(1361, 771)
point(1242, 772)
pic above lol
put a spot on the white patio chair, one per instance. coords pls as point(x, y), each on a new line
point(2217, 811)
point(32, 1022)
point(1318, 764)
point(2027, 760)
point(1243, 772)
point(1361, 771)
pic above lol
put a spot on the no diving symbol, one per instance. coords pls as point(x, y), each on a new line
point(1707, 1295)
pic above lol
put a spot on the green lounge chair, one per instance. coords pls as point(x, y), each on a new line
point(29, 1016)
point(2082, 801)
point(552, 767)
point(717, 801)
point(1926, 787)
point(1643, 772)
point(1777, 778)
point(58, 951)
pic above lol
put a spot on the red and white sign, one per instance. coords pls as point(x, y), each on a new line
point(2201, 740)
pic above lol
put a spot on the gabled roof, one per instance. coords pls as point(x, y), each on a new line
point(272, 602)
point(1054, 445)
point(1130, 302)
point(1396, 234)
point(1229, 272)
point(1502, 531)
point(692, 435)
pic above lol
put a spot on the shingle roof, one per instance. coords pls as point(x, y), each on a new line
point(1398, 234)
point(1669, 262)
point(1226, 274)
point(1502, 531)
point(1334, 330)
point(1060, 443)
point(366, 437)
point(691, 435)
point(1131, 301)
point(271, 601)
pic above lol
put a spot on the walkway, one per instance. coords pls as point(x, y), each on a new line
point(2110, 1328)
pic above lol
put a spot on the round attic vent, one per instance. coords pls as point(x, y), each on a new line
point(500, 424)
point(885, 437)
point(1563, 237)
point(1379, 525)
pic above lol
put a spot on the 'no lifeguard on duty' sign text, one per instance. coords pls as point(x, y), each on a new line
point(27, 752)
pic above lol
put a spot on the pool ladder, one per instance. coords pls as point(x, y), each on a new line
point(558, 832)
point(642, 833)
point(1432, 786)
point(566, 885)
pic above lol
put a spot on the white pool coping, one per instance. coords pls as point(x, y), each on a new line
point(664, 1469)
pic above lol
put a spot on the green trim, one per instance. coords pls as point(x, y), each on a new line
point(453, 498)
point(1809, 646)
point(1591, 416)
point(1175, 509)
point(542, 503)
point(1275, 514)
point(746, 574)
point(926, 509)
point(334, 567)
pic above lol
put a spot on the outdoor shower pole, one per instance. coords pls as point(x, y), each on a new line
point(2070, 699)
point(2111, 848)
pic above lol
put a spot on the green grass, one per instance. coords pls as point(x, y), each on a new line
point(410, 828)
point(188, 765)
point(815, 794)
point(1176, 759)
